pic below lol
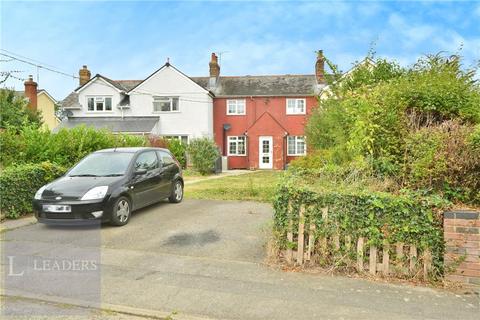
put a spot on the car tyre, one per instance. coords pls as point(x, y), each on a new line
point(176, 194)
point(122, 210)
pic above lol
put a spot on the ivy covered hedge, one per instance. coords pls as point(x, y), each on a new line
point(409, 218)
point(19, 183)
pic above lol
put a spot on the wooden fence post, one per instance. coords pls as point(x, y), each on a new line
point(413, 257)
point(289, 254)
point(360, 254)
point(311, 240)
point(301, 235)
point(373, 260)
point(323, 240)
point(427, 263)
point(386, 258)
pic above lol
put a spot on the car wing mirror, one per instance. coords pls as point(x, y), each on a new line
point(140, 172)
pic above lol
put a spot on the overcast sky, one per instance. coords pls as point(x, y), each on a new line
point(130, 40)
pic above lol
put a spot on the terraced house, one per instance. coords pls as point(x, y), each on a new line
point(256, 121)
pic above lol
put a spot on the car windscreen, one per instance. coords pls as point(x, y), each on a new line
point(102, 164)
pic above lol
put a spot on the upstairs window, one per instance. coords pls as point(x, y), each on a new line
point(296, 146)
point(236, 107)
point(165, 104)
point(237, 146)
point(296, 106)
point(99, 104)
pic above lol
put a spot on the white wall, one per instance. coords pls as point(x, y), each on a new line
point(98, 88)
point(195, 115)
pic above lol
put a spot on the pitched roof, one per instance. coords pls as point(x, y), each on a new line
point(115, 124)
point(272, 85)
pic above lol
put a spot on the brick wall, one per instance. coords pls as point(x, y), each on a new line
point(462, 239)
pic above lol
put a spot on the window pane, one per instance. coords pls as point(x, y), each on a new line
point(108, 104)
point(300, 105)
point(232, 106)
point(291, 145)
point(232, 147)
point(165, 106)
point(91, 104)
point(99, 105)
point(146, 160)
point(156, 106)
point(301, 145)
point(241, 106)
point(241, 145)
point(184, 139)
point(290, 106)
point(174, 104)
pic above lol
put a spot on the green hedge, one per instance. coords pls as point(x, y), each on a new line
point(18, 185)
point(66, 147)
point(380, 217)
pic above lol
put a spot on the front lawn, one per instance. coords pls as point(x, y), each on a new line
point(255, 186)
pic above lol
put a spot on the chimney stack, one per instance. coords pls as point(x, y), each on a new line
point(214, 66)
point(31, 93)
point(85, 75)
point(320, 67)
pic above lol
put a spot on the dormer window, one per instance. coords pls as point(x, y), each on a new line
point(165, 104)
point(99, 104)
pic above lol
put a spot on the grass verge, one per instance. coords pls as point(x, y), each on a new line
point(255, 186)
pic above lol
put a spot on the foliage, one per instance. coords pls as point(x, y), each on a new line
point(157, 142)
point(203, 152)
point(255, 186)
point(393, 119)
point(179, 150)
point(19, 183)
point(410, 217)
point(14, 112)
point(66, 147)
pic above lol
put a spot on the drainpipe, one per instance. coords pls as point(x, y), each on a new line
point(226, 127)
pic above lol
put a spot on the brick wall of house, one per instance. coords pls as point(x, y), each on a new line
point(462, 240)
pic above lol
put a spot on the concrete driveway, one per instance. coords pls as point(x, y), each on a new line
point(202, 259)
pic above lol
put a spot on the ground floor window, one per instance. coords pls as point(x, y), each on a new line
point(296, 146)
point(182, 139)
point(237, 146)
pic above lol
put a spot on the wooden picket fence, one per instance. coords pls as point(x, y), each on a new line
point(387, 260)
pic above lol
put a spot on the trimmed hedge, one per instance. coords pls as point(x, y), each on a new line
point(18, 185)
point(410, 218)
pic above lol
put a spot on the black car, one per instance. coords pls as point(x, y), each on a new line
point(108, 185)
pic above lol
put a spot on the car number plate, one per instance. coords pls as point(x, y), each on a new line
point(56, 208)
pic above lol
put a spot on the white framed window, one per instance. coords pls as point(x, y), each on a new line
point(237, 146)
point(236, 107)
point(165, 104)
point(296, 146)
point(99, 104)
point(296, 106)
point(182, 139)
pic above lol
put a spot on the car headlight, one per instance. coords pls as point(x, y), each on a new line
point(95, 193)
point(38, 194)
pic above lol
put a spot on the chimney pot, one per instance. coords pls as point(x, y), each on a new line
point(84, 75)
point(320, 67)
point(31, 93)
point(214, 66)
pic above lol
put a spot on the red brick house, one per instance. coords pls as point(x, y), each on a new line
point(258, 121)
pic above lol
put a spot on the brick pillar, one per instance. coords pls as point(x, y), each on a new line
point(462, 239)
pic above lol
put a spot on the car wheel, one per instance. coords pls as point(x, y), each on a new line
point(176, 195)
point(121, 212)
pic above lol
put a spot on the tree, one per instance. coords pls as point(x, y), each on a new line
point(15, 113)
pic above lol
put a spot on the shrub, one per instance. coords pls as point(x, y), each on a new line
point(14, 112)
point(66, 147)
point(179, 150)
point(411, 218)
point(18, 185)
point(203, 152)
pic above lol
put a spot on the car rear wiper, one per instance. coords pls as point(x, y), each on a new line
point(83, 175)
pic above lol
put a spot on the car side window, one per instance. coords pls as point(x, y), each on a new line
point(147, 160)
point(165, 158)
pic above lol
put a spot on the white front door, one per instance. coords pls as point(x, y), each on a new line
point(265, 152)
